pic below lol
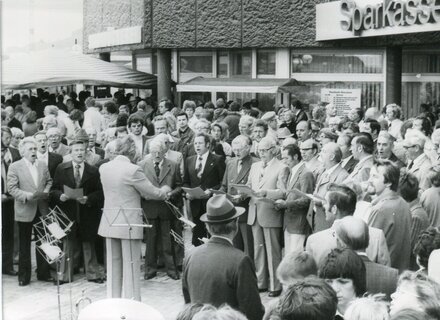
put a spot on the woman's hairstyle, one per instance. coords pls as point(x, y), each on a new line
point(410, 314)
point(434, 175)
point(192, 309)
point(223, 128)
point(426, 125)
point(296, 265)
point(344, 263)
point(371, 307)
point(126, 146)
point(225, 312)
point(428, 241)
point(425, 290)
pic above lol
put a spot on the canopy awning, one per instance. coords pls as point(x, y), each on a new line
point(60, 68)
point(200, 84)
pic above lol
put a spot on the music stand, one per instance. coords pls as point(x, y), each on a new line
point(50, 231)
point(144, 224)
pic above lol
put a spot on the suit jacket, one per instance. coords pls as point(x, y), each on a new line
point(217, 273)
point(124, 184)
point(396, 160)
point(349, 166)
point(420, 170)
point(15, 154)
point(169, 176)
point(89, 214)
point(185, 138)
point(295, 215)
point(274, 181)
point(211, 178)
point(177, 157)
point(54, 161)
point(100, 152)
point(21, 186)
point(391, 214)
point(232, 176)
point(361, 171)
point(62, 150)
point(321, 243)
point(380, 278)
point(317, 219)
point(315, 166)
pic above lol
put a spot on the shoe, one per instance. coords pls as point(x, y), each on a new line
point(23, 283)
point(150, 275)
point(10, 272)
point(173, 275)
point(96, 280)
point(262, 290)
point(274, 294)
point(46, 279)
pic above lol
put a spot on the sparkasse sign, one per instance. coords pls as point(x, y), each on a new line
point(366, 18)
point(388, 14)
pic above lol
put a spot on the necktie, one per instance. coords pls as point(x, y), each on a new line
point(239, 165)
point(77, 175)
point(157, 169)
point(410, 165)
point(199, 168)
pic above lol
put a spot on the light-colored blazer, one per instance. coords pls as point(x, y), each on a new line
point(317, 219)
point(124, 184)
point(21, 186)
point(321, 243)
point(274, 181)
point(420, 170)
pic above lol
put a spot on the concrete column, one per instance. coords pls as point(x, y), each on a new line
point(105, 56)
point(393, 75)
point(163, 74)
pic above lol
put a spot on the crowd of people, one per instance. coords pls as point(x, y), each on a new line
point(337, 215)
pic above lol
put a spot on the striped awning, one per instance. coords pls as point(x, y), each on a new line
point(60, 68)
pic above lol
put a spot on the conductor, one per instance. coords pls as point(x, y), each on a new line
point(124, 183)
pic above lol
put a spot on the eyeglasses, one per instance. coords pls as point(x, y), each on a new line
point(264, 150)
point(408, 147)
point(305, 149)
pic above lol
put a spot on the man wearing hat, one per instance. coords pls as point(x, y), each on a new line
point(271, 119)
point(216, 272)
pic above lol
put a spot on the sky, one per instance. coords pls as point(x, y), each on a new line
point(51, 20)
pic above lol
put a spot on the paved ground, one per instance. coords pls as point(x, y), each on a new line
point(39, 300)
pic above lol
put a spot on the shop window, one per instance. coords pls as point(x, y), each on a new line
point(420, 80)
point(147, 63)
point(266, 62)
point(241, 63)
point(222, 64)
point(241, 97)
point(196, 63)
point(311, 93)
point(266, 101)
point(316, 62)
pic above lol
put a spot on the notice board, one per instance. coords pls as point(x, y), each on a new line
point(344, 99)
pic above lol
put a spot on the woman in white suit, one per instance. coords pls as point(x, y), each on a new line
point(124, 183)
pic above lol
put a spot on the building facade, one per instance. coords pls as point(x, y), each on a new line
point(362, 52)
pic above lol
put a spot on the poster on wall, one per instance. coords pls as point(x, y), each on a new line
point(343, 99)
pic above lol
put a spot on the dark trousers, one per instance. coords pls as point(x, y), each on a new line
point(24, 263)
point(198, 232)
point(161, 230)
point(244, 239)
point(7, 235)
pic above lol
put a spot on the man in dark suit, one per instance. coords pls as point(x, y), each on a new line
point(85, 211)
point(161, 172)
point(29, 183)
point(348, 162)
point(7, 222)
point(237, 172)
point(91, 132)
point(204, 170)
point(11, 154)
point(354, 233)
point(384, 148)
point(216, 272)
point(295, 205)
point(52, 160)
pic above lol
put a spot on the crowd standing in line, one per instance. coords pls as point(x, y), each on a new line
point(338, 215)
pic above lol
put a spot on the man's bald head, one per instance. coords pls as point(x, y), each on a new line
point(353, 232)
